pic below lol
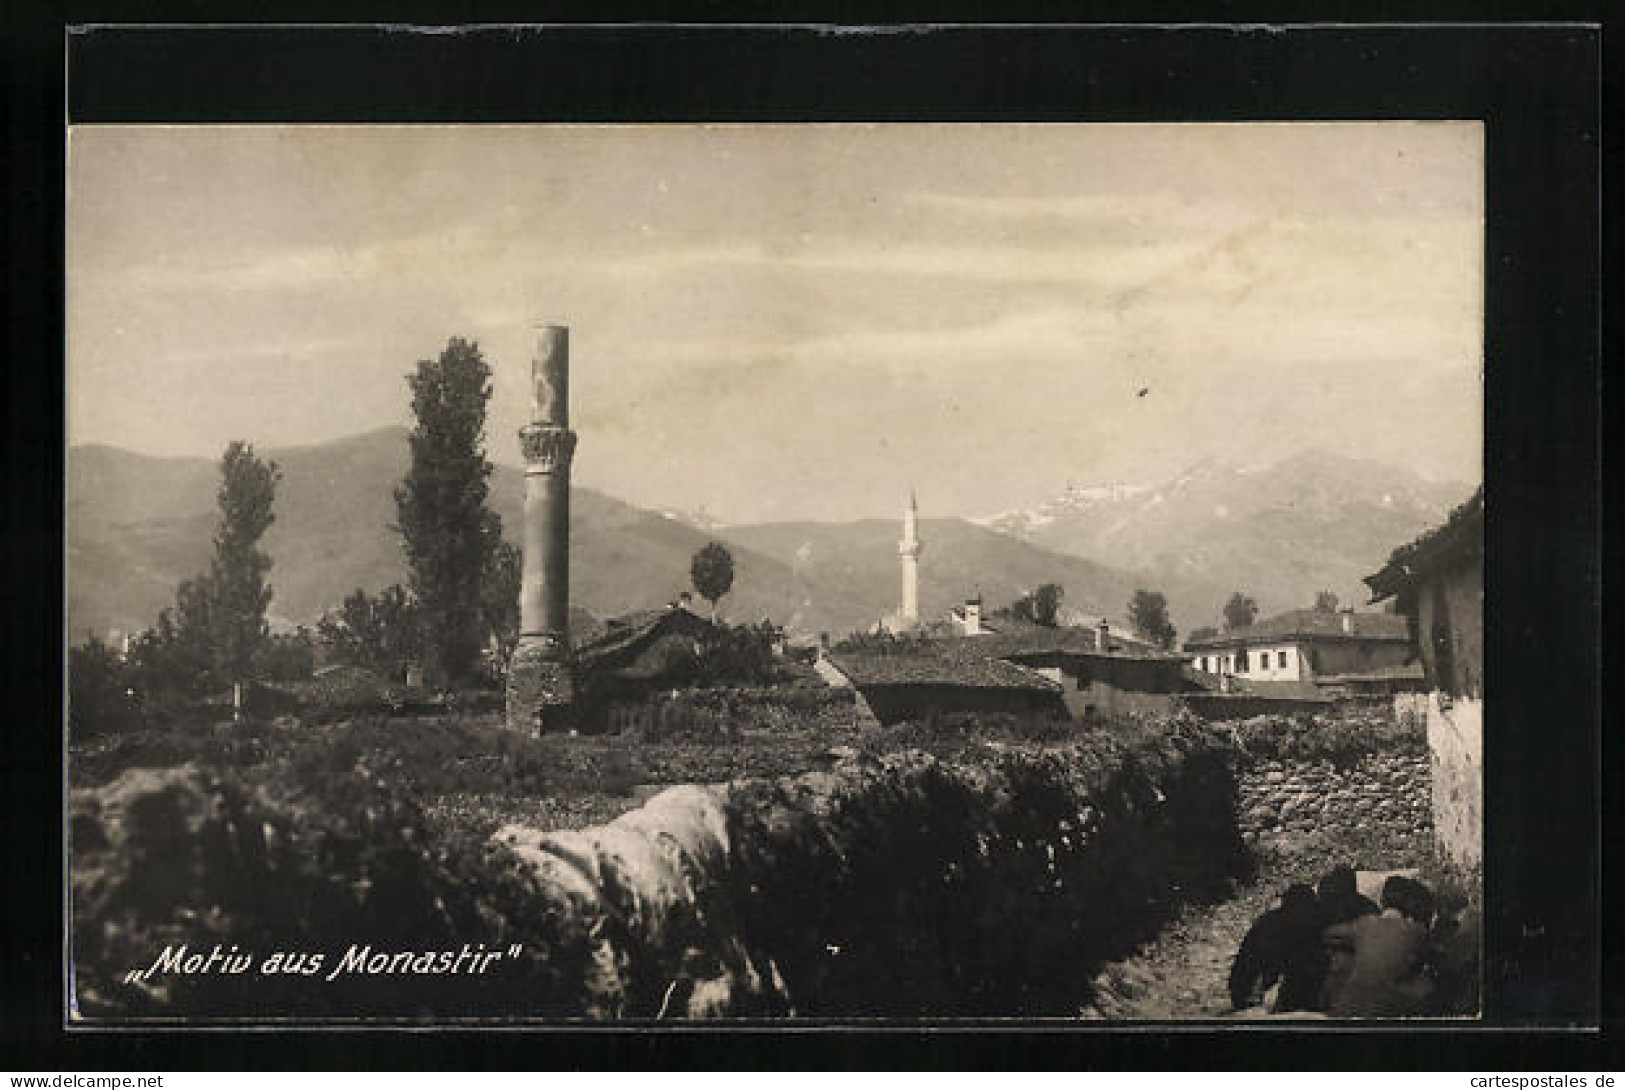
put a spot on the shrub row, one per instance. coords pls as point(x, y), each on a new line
point(234, 858)
point(912, 887)
point(907, 886)
point(1342, 738)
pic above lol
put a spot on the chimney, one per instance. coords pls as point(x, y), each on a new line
point(1103, 636)
point(1348, 622)
point(973, 616)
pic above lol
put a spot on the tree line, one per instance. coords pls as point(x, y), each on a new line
point(462, 594)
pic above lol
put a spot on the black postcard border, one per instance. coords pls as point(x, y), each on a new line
point(1538, 87)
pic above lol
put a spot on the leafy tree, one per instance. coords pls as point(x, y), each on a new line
point(1240, 611)
point(1041, 606)
point(185, 652)
point(158, 663)
point(380, 633)
point(1148, 612)
point(289, 656)
point(1047, 604)
point(448, 532)
point(1325, 602)
point(236, 591)
point(712, 572)
point(100, 700)
point(500, 606)
point(216, 633)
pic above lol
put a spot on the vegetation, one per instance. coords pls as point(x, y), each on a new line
point(236, 587)
point(1341, 738)
point(1041, 606)
point(450, 536)
point(712, 572)
point(99, 698)
point(1240, 611)
point(312, 840)
point(215, 634)
point(1148, 612)
point(1325, 602)
point(288, 656)
point(377, 632)
point(499, 604)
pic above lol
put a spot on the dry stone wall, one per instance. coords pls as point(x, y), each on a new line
point(1383, 798)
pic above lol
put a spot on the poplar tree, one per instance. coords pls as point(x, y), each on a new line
point(449, 534)
point(236, 590)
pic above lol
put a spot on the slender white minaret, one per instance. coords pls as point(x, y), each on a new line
point(909, 549)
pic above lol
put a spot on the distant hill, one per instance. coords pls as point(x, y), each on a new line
point(960, 558)
point(139, 525)
point(1280, 532)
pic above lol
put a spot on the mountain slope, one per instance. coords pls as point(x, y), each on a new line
point(959, 559)
point(1280, 532)
point(137, 526)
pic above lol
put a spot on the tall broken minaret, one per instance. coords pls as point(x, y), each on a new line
point(909, 550)
point(541, 688)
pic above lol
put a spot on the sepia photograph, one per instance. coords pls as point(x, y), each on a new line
point(821, 573)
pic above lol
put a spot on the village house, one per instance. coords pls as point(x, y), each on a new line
point(1437, 585)
point(640, 653)
point(971, 619)
point(917, 681)
point(1096, 684)
point(1022, 668)
point(1337, 654)
point(1101, 671)
point(976, 662)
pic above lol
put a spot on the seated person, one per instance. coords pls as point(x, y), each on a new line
point(1283, 946)
point(1378, 965)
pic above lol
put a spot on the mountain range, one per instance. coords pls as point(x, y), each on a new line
point(137, 525)
point(1280, 532)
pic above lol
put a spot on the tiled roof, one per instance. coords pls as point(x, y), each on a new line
point(936, 666)
point(1311, 624)
point(631, 629)
point(1014, 639)
point(1461, 535)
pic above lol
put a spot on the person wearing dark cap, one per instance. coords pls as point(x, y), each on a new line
point(1340, 898)
point(1379, 964)
point(1283, 946)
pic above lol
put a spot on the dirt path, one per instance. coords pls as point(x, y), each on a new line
point(1184, 972)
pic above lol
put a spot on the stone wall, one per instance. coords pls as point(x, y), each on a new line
point(1383, 798)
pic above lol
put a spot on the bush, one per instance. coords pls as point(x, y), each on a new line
point(1342, 738)
point(249, 861)
point(910, 887)
point(722, 716)
point(289, 657)
point(100, 700)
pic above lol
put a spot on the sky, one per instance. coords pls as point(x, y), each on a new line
point(797, 321)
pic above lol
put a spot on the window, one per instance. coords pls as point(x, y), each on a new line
point(1241, 662)
point(1282, 656)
